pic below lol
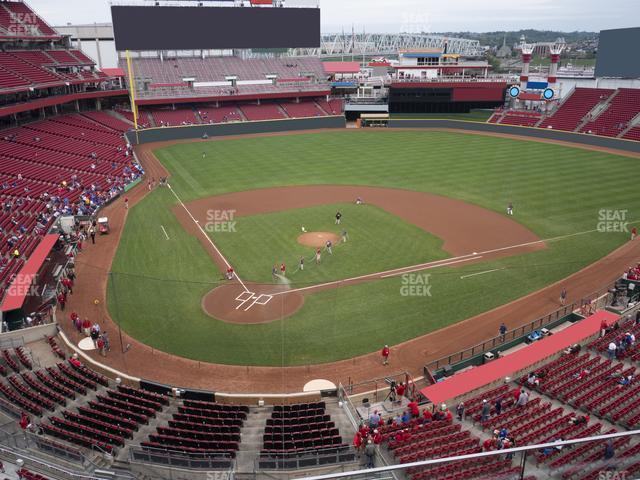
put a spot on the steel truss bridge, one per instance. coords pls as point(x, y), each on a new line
point(358, 44)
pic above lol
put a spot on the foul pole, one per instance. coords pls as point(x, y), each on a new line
point(132, 94)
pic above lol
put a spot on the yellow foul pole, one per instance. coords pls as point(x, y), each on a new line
point(132, 91)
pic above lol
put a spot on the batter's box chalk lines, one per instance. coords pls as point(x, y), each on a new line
point(252, 299)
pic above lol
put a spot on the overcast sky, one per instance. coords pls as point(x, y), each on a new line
point(418, 15)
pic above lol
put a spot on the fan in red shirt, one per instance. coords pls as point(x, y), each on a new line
point(516, 393)
point(377, 437)
point(385, 355)
point(357, 440)
point(24, 421)
point(415, 411)
point(400, 389)
point(427, 415)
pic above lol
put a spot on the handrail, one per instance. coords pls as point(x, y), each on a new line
point(529, 448)
point(528, 327)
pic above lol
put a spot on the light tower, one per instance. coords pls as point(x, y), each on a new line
point(556, 50)
point(527, 50)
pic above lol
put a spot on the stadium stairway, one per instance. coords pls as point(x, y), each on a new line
point(142, 435)
point(340, 419)
point(632, 124)
point(596, 111)
point(251, 435)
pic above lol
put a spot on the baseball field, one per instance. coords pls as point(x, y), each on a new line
point(432, 244)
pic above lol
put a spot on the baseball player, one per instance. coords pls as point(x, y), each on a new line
point(274, 272)
point(344, 236)
point(301, 263)
point(318, 253)
point(328, 245)
point(338, 217)
point(283, 270)
point(510, 209)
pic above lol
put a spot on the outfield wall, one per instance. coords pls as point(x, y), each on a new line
point(187, 132)
point(534, 133)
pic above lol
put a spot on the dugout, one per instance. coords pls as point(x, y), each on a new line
point(374, 120)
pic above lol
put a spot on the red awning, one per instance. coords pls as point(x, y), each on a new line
point(506, 366)
point(341, 67)
point(19, 288)
point(113, 72)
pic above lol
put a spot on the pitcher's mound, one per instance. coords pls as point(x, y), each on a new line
point(317, 239)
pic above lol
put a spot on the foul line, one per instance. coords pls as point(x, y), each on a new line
point(235, 274)
point(481, 273)
point(438, 263)
point(385, 274)
point(165, 232)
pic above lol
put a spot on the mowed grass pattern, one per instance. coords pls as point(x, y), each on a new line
point(556, 190)
point(376, 241)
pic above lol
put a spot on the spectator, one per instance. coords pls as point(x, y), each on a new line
point(460, 411)
point(406, 417)
point(503, 332)
point(611, 351)
point(522, 399)
point(427, 416)
point(62, 300)
point(370, 453)
point(498, 406)
point(374, 419)
point(413, 408)
point(486, 409)
point(609, 451)
point(357, 441)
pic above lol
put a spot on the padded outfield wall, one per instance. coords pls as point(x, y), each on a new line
point(535, 133)
point(187, 132)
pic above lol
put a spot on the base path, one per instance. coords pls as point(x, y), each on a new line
point(464, 229)
point(94, 263)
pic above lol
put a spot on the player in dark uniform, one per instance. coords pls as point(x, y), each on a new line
point(338, 217)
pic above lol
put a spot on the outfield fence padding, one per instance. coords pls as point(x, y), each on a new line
point(186, 132)
point(534, 133)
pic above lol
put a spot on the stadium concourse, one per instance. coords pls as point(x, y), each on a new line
point(142, 361)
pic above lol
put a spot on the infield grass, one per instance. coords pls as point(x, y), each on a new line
point(376, 241)
point(556, 190)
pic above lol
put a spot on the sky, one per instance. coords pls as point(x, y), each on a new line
point(417, 15)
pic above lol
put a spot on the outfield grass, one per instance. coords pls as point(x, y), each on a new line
point(377, 241)
point(556, 190)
